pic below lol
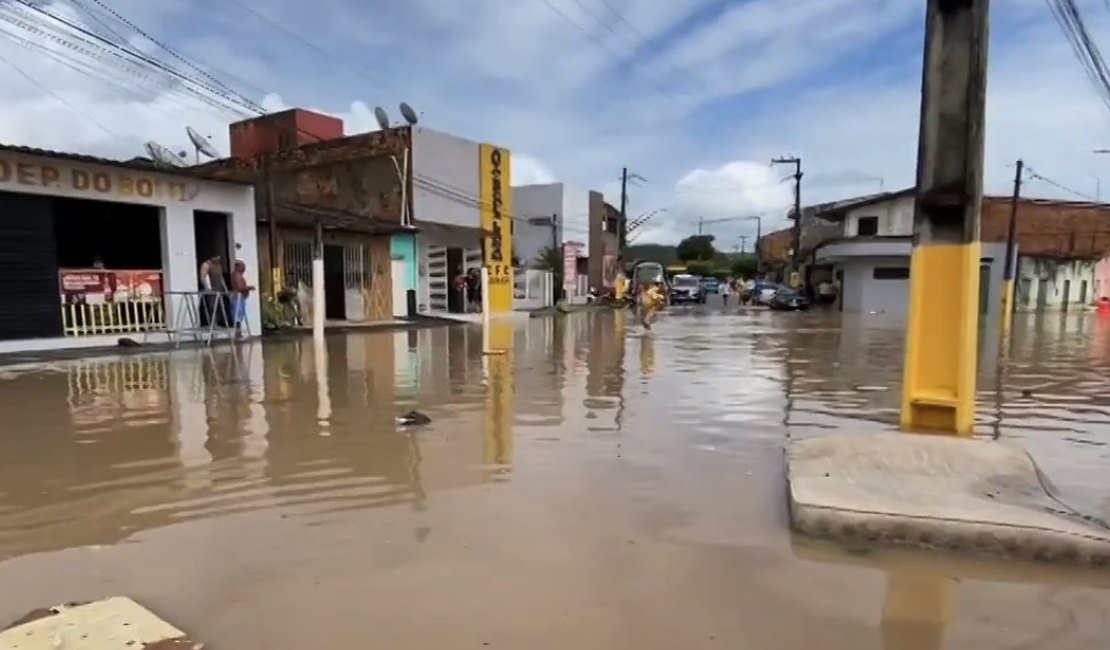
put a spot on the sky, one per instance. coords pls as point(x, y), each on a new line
point(695, 98)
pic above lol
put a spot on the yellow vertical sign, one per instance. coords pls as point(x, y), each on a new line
point(496, 199)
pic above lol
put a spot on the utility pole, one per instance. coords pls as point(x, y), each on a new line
point(743, 244)
point(622, 227)
point(796, 234)
point(701, 225)
point(758, 236)
point(1009, 267)
point(938, 388)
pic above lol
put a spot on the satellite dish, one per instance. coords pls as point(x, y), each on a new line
point(409, 114)
point(383, 118)
point(201, 144)
point(163, 156)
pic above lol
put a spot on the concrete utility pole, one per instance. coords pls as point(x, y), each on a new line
point(743, 244)
point(758, 235)
point(1009, 267)
point(796, 230)
point(622, 227)
point(941, 335)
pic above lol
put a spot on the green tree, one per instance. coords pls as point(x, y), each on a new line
point(551, 259)
point(696, 248)
point(744, 266)
point(698, 267)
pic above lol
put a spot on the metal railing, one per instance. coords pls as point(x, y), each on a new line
point(205, 316)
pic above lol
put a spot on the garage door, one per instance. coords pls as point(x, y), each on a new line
point(29, 298)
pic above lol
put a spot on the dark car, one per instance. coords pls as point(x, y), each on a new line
point(787, 299)
point(686, 289)
point(710, 285)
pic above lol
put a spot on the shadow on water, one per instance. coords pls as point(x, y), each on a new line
point(599, 486)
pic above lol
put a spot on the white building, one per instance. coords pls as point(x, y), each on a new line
point(92, 250)
point(871, 257)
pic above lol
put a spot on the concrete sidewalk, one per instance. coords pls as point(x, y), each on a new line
point(936, 492)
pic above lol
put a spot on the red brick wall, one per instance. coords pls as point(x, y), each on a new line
point(282, 131)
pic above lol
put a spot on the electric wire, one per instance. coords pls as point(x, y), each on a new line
point(62, 100)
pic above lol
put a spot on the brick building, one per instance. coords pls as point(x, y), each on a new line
point(1060, 246)
point(399, 209)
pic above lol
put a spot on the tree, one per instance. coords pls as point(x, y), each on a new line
point(698, 267)
point(696, 248)
point(551, 259)
point(744, 266)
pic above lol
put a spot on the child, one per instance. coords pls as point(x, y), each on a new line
point(651, 302)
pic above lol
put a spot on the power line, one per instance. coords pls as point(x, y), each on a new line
point(605, 46)
point(59, 98)
point(204, 73)
point(125, 51)
point(308, 43)
point(1033, 175)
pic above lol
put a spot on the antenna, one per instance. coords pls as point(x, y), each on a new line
point(409, 114)
point(382, 117)
point(162, 156)
point(201, 144)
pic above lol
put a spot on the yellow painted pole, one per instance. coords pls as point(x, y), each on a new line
point(938, 391)
point(1011, 262)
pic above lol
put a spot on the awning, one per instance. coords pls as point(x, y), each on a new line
point(449, 233)
point(303, 215)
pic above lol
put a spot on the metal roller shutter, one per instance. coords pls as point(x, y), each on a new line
point(30, 305)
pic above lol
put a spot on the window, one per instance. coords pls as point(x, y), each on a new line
point(890, 273)
point(867, 226)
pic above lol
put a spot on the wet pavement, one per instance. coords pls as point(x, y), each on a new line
point(602, 489)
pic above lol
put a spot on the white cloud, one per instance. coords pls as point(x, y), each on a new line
point(675, 97)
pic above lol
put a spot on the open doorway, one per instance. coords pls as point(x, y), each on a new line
point(212, 236)
point(335, 306)
point(456, 302)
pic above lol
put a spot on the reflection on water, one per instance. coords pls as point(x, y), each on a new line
point(596, 487)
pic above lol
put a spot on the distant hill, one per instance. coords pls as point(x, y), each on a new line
point(662, 253)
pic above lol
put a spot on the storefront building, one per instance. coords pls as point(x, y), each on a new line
point(399, 209)
point(94, 250)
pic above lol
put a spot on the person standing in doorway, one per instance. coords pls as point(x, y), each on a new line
point(241, 290)
point(214, 286)
point(474, 290)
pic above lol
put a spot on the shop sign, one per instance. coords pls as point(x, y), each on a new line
point(98, 286)
point(496, 206)
point(105, 182)
point(570, 266)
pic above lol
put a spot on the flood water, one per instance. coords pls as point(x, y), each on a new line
point(602, 489)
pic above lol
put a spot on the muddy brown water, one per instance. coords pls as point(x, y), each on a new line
point(612, 491)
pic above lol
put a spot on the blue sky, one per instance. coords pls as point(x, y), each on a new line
point(694, 96)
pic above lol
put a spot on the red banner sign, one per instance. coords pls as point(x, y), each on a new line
point(98, 286)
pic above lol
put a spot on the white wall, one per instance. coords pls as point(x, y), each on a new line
point(1061, 282)
point(863, 293)
point(445, 179)
point(539, 202)
point(895, 217)
point(177, 195)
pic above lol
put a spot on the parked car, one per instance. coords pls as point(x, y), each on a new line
point(763, 292)
point(787, 299)
point(686, 289)
point(710, 285)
